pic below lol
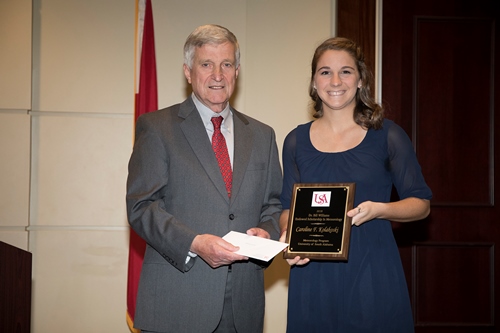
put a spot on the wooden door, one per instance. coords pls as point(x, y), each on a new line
point(440, 72)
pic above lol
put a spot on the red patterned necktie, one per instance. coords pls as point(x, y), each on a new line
point(220, 150)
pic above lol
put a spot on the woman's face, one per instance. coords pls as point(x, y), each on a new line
point(337, 80)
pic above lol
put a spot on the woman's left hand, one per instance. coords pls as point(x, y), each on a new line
point(406, 210)
point(364, 212)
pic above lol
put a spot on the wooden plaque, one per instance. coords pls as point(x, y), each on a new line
point(318, 225)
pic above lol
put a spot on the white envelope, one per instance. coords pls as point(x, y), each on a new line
point(253, 246)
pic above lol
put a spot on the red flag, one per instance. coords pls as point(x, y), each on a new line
point(146, 100)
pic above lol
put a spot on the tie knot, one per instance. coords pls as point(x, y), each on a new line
point(217, 121)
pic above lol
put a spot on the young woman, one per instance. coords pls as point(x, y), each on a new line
point(350, 141)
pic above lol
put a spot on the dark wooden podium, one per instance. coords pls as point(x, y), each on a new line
point(15, 289)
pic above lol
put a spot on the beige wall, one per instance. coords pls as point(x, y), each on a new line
point(66, 126)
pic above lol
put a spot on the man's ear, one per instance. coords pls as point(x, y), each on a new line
point(187, 73)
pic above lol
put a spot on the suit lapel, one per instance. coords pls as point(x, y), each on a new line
point(243, 143)
point(196, 135)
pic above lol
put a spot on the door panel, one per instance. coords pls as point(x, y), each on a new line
point(440, 64)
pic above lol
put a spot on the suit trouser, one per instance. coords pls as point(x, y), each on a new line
point(226, 324)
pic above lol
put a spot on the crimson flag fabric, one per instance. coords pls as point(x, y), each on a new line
point(146, 100)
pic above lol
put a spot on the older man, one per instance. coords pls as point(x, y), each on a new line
point(198, 170)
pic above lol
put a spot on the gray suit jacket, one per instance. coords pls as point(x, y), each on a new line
point(175, 191)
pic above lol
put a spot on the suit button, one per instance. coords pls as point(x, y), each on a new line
point(231, 217)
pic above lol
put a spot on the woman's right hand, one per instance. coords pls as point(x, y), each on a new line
point(283, 226)
point(297, 261)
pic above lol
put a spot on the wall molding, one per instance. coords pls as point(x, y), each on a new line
point(74, 228)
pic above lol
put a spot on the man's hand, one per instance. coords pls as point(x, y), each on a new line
point(215, 251)
point(258, 232)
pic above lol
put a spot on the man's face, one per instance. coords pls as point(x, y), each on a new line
point(213, 74)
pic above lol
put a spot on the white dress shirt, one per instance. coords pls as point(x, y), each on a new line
point(227, 126)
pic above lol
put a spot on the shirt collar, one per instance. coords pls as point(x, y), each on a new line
point(207, 114)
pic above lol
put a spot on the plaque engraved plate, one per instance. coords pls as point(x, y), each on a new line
point(318, 225)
